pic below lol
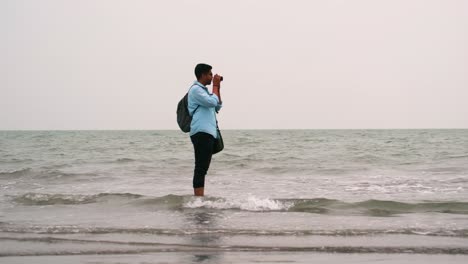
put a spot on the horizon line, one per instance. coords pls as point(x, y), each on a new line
point(233, 129)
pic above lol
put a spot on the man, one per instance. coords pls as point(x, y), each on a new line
point(203, 106)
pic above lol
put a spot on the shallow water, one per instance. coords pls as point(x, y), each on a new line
point(347, 191)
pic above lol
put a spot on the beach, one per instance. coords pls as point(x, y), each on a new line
point(272, 196)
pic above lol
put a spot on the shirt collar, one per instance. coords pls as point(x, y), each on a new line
point(199, 83)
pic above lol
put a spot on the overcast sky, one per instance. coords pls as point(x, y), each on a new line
point(90, 64)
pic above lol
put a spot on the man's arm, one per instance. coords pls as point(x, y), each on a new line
point(217, 87)
point(201, 97)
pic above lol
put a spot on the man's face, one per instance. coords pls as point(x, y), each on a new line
point(208, 77)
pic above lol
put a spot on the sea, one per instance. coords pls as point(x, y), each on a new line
point(272, 196)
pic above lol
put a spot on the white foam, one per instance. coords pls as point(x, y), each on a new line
point(250, 203)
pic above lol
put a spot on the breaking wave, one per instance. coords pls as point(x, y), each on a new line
point(250, 203)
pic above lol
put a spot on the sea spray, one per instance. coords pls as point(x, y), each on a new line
point(250, 203)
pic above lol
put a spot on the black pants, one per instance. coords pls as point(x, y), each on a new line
point(203, 147)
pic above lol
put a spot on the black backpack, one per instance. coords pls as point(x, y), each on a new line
point(183, 116)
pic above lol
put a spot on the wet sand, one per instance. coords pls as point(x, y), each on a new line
point(239, 257)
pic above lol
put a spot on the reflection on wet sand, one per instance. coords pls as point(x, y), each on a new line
point(204, 220)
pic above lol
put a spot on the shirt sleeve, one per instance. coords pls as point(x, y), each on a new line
point(218, 107)
point(201, 97)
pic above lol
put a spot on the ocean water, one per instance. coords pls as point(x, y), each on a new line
point(269, 193)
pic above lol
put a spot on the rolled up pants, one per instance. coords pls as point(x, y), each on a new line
point(203, 148)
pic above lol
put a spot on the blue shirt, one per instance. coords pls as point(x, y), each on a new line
point(204, 117)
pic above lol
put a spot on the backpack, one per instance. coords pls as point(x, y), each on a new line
point(183, 116)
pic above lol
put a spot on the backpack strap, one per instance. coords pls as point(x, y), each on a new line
point(195, 110)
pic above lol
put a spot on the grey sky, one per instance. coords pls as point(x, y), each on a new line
point(287, 64)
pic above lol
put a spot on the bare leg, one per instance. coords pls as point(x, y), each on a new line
point(199, 191)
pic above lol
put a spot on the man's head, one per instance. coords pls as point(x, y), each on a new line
point(203, 73)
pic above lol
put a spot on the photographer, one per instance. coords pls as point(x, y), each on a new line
point(202, 106)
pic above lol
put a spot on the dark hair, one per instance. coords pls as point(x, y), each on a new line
point(202, 68)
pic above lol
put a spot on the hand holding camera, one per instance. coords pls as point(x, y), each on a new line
point(217, 79)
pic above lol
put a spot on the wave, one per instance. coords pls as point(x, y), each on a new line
point(106, 247)
point(15, 160)
point(73, 244)
point(458, 180)
point(377, 207)
point(72, 229)
point(328, 206)
point(457, 156)
point(15, 173)
point(251, 203)
point(57, 199)
point(59, 174)
point(46, 172)
point(124, 160)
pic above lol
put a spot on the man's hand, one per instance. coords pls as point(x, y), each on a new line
point(217, 80)
point(217, 86)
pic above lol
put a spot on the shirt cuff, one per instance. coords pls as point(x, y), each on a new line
point(217, 99)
